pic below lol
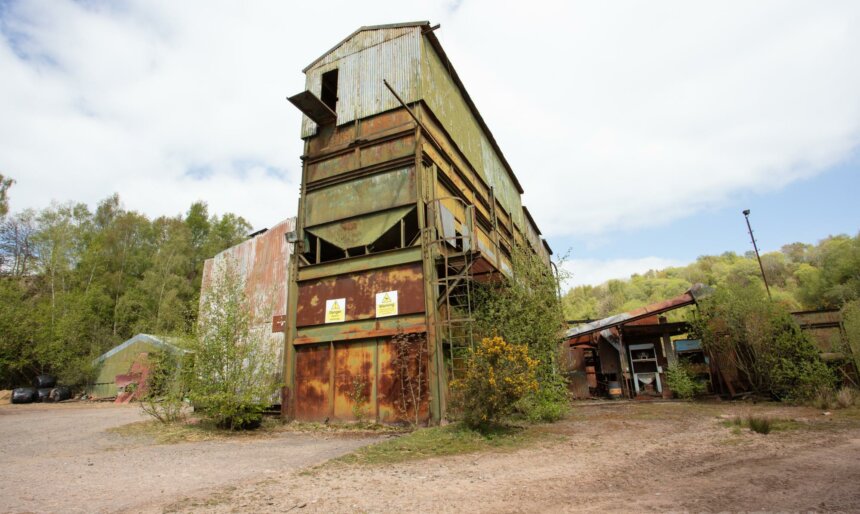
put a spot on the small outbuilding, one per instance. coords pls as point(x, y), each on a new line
point(126, 363)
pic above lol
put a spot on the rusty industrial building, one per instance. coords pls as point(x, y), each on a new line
point(406, 201)
point(262, 262)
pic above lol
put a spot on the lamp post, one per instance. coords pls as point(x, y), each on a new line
point(757, 256)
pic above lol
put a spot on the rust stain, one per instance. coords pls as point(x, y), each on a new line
point(360, 290)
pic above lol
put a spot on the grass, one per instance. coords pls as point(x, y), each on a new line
point(452, 439)
point(192, 431)
point(761, 424)
point(196, 430)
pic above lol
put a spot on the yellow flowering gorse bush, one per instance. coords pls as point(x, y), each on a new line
point(497, 375)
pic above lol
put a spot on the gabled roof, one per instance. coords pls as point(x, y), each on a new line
point(362, 29)
point(434, 42)
point(147, 338)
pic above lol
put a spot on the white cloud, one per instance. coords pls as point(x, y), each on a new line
point(595, 271)
point(623, 114)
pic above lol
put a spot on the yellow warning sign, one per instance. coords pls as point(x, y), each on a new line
point(335, 310)
point(386, 304)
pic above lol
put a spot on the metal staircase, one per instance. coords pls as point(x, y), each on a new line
point(455, 257)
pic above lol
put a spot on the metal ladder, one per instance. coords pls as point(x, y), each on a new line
point(454, 288)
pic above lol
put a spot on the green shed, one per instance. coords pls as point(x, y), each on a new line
point(119, 361)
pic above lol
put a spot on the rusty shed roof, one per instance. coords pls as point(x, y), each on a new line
point(695, 293)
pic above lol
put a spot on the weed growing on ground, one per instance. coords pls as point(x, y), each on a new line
point(441, 441)
point(759, 425)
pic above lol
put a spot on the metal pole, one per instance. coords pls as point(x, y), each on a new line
point(757, 256)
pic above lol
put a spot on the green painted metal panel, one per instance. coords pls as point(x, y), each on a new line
point(360, 231)
point(362, 196)
point(367, 262)
point(360, 329)
point(448, 105)
point(118, 361)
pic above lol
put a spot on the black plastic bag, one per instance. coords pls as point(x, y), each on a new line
point(60, 393)
point(41, 381)
point(43, 394)
point(24, 395)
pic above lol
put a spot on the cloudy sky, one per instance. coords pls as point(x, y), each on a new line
point(639, 130)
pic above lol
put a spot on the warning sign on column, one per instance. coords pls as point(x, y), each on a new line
point(386, 304)
point(335, 310)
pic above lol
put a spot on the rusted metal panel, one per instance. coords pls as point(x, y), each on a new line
point(697, 291)
point(360, 290)
point(313, 382)
point(367, 156)
point(355, 373)
point(262, 262)
point(391, 386)
point(361, 263)
point(363, 61)
point(365, 195)
point(353, 330)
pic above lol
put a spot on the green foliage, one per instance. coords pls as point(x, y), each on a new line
point(359, 397)
point(525, 309)
point(759, 425)
point(762, 340)
point(235, 366)
point(453, 439)
point(801, 276)
point(682, 382)
point(165, 387)
point(498, 375)
point(5, 184)
point(851, 322)
point(74, 282)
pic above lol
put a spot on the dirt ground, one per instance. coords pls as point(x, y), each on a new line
point(609, 457)
point(59, 458)
point(622, 457)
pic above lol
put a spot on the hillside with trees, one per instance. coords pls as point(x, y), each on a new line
point(75, 282)
point(801, 276)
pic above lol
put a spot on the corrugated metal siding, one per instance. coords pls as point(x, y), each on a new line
point(447, 103)
point(362, 63)
point(262, 263)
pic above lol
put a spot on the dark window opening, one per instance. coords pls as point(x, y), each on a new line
point(329, 89)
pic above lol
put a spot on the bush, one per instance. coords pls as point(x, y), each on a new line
point(681, 381)
point(846, 397)
point(235, 363)
point(525, 309)
point(165, 388)
point(498, 375)
point(762, 340)
point(544, 405)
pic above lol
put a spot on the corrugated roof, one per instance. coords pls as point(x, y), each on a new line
point(362, 29)
point(155, 340)
point(695, 293)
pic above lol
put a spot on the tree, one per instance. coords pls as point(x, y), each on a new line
point(235, 364)
point(5, 184)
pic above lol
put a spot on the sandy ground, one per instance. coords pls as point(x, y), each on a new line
point(59, 458)
point(607, 458)
point(616, 457)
